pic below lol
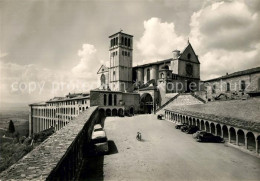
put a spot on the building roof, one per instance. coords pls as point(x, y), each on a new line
point(154, 63)
point(236, 74)
point(120, 32)
point(38, 104)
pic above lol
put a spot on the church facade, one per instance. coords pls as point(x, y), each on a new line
point(152, 82)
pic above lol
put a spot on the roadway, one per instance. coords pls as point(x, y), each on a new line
point(165, 154)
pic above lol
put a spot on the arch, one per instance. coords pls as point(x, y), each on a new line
point(240, 137)
point(207, 126)
point(147, 102)
point(251, 144)
point(131, 110)
point(108, 112)
point(129, 42)
point(202, 124)
point(232, 133)
point(225, 131)
point(148, 75)
point(114, 112)
point(125, 41)
point(162, 75)
point(110, 99)
point(194, 121)
point(212, 128)
point(120, 112)
point(190, 121)
point(198, 123)
point(103, 79)
point(218, 130)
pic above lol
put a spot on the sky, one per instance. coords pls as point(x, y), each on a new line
point(52, 47)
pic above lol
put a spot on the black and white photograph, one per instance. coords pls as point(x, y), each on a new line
point(133, 90)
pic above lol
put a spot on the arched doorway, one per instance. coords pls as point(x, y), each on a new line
point(147, 103)
point(108, 112)
point(258, 141)
point(198, 123)
point(225, 131)
point(218, 128)
point(251, 141)
point(120, 112)
point(202, 125)
point(114, 112)
point(131, 110)
point(232, 133)
point(241, 138)
point(212, 128)
point(102, 112)
point(207, 126)
point(194, 122)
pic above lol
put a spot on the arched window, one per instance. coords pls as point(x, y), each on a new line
point(122, 41)
point(243, 85)
point(103, 79)
point(115, 100)
point(228, 87)
point(189, 55)
point(110, 99)
point(105, 99)
point(148, 74)
point(129, 42)
point(116, 40)
point(162, 75)
point(125, 41)
point(114, 75)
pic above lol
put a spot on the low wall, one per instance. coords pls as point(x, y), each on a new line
point(60, 156)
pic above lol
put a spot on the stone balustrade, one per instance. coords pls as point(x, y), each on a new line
point(60, 156)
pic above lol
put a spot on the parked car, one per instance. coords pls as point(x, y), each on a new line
point(192, 129)
point(184, 128)
point(208, 137)
point(97, 127)
point(160, 116)
point(179, 125)
point(195, 135)
point(99, 142)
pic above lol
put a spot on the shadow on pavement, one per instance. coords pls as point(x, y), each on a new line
point(112, 147)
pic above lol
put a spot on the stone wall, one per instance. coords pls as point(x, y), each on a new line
point(60, 156)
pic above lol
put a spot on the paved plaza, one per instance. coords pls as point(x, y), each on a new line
point(165, 154)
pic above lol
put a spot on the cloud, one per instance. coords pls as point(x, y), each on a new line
point(32, 83)
point(159, 40)
point(226, 37)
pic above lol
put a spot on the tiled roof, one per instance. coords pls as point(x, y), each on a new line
point(236, 74)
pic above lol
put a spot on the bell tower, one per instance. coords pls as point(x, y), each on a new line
point(121, 61)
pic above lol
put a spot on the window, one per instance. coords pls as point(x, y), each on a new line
point(125, 41)
point(162, 75)
point(228, 87)
point(128, 54)
point(243, 85)
point(188, 56)
point(115, 101)
point(110, 99)
point(116, 40)
point(105, 99)
point(123, 53)
point(122, 40)
point(129, 42)
point(114, 75)
point(148, 74)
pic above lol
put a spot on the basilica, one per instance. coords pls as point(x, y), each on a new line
point(143, 88)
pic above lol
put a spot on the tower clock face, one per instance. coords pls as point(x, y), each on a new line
point(189, 69)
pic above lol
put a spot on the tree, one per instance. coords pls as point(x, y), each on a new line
point(11, 128)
